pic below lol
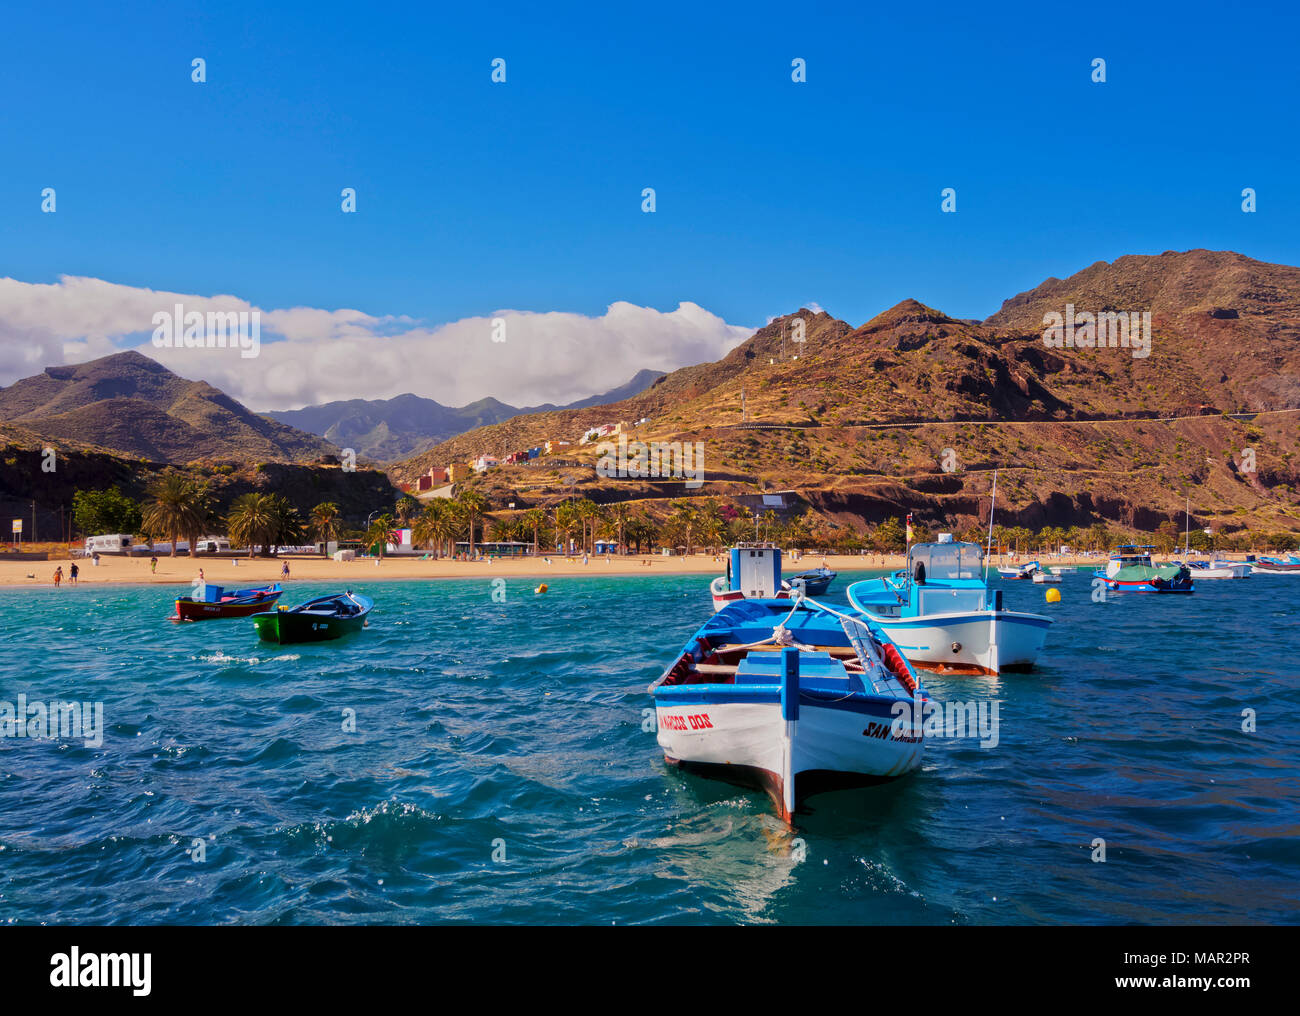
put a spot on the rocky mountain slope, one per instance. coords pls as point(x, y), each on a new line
point(914, 409)
point(133, 405)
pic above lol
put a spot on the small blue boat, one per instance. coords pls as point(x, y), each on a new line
point(816, 581)
point(795, 699)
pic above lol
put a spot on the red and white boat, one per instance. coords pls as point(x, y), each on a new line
point(214, 601)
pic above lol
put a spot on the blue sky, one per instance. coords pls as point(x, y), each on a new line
point(473, 197)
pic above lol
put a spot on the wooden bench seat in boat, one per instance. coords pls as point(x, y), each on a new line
point(731, 647)
point(816, 670)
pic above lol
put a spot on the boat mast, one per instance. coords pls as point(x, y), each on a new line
point(1187, 527)
point(992, 504)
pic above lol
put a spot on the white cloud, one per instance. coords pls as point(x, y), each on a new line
point(311, 355)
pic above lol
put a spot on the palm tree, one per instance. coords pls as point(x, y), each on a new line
point(263, 520)
point(533, 520)
point(589, 513)
point(685, 516)
point(323, 522)
point(642, 531)
point(377, 534)
point(250, 520)
point(566, 521)
point(619, 514)
point(176, 506)
point(473, 505)
point(436, 525)
point(286, 523)
point(407, 507)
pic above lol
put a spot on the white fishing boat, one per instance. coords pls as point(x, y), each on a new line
point(753, 573)
point(792, 698)
point(940, 612)
point(1020, 572)
point(1219, 569)
point(1051, 577)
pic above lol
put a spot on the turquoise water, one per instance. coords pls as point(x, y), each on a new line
point(500, 772)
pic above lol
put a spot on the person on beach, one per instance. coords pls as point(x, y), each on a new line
point(584, 557)
point(153, 565)
point(284, 570)
point(58, 576)
point(72, 574)
point(201, 578)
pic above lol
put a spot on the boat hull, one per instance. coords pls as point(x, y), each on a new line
point(1229, 572)
point(741, 736)
point(286, 628)
point(730, 596)
point(986, 642)
point(197, 610)
point(1146, 584)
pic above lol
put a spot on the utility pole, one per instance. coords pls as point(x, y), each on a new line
point(743, 417)
point(33, 522)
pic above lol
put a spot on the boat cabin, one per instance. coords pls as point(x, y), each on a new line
point(755, 570)
point(1129, 556)
point(940, 578)
point(944, 577)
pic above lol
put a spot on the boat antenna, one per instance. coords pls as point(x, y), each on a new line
point(992, 504)
point(1187, 527)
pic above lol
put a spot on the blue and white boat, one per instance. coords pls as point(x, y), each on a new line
point(1219, 569)
point(815, 582)
point(941, 613)
point(1015, 572)
point(1277, 566)
point(753, 572)
point(795, 699)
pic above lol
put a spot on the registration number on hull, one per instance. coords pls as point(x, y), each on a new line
point(693, 721)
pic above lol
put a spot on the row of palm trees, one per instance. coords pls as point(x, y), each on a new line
point(183, 509)
point(180, 508)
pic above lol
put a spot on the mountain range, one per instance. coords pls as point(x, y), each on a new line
point(910, 411)
point(385, 430)
point(913, 409)
point(133, 405)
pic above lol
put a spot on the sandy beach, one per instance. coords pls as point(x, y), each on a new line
point(250, 571)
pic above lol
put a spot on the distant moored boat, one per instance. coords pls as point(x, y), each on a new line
point(1130, 569)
